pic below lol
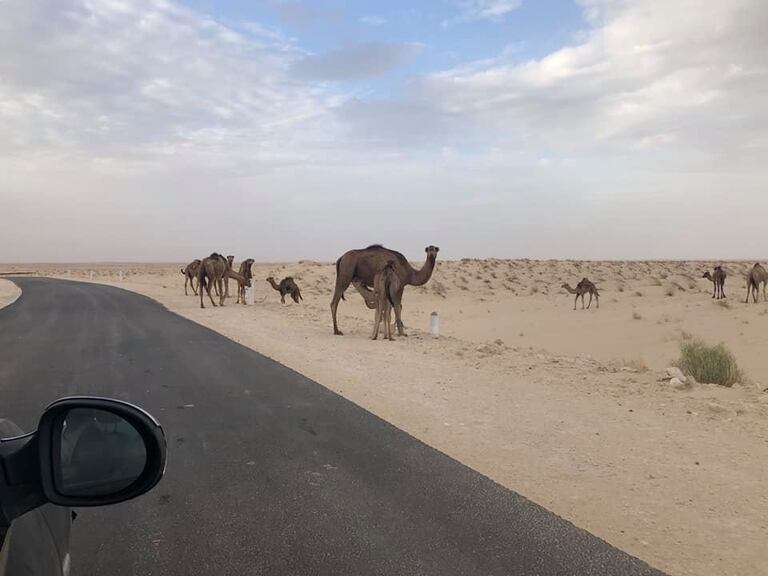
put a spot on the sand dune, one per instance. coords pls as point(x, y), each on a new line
point(563, 406)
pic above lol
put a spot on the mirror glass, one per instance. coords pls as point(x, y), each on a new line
point(100, 453)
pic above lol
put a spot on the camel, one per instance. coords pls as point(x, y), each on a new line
point(213, 271)
point(583, 287)
point(718, 280)
point(190, 275)
point(386, 286)
point(230, 259)
point(286, 286)
point(359, 267)
point(755, 277)
point(246, 272)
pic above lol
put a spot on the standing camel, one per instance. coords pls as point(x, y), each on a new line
point(718, 279)
point(755, 277)
point(359, 267)
point(213, 271)
point(246, 272)
point(230, 260)
point(190, 275)
point(386, 286)
point(583, 287)
point(286, 286)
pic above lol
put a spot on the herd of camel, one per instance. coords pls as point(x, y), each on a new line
point(380, 275)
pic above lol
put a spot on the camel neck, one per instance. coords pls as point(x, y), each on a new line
point(422, 276)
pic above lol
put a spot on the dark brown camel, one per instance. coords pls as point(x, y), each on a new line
point(718, 279)
point(246, 272)
point(286, 286)
point(583, 287)
point(359, 267)
point(190, 275)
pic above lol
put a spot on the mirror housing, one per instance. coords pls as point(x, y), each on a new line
point(31, 465)
point(49, 433)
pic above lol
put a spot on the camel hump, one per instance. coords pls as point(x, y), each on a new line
point(375, 247)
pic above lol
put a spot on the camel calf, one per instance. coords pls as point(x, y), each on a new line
point(583, 287)
point(718, 279)
point(247, 273)
point(286, 286)
point(190, 275)
point(386, 290)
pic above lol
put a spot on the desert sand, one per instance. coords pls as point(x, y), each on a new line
point(9, 292)
point(569, 408)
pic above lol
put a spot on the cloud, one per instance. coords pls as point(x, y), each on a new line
point(482, 10)
point(356, 62)
point(684, 76)
point(373, 20)
point(150, 82)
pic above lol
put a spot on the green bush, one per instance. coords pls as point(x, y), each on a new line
point(709, 364)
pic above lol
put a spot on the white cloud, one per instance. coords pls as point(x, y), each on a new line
point(482, 10)
point(99, 79)
point(356, 62)
point(686, 74)
point(373, 20)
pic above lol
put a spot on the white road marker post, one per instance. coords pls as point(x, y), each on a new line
point(434, 325)
point(90, 275)
point(120, 275)
point(249, 295)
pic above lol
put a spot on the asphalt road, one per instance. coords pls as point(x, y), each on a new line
point(268, 472)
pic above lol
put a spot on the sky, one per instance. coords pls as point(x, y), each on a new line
point(163, 130)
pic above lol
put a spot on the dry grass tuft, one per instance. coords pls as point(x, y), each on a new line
point(709, 364)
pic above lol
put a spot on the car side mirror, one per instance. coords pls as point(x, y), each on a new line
point(96, 451)
point(87, 451)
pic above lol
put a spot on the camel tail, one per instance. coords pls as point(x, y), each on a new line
point(182, 271)
point(388, 290)
point(300, 296)
point(338, 264)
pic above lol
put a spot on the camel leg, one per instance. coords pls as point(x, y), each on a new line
point(575, 300)
point(376, 322)
point(399, 321)
point(282, 298)
point(334, 307)
point(590, 300)
point(388, 325)
point(186, 279)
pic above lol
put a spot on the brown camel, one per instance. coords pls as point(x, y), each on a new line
point(212, 271)
point(755, 277)
point(190, 275)
point(359, 267)
point(718, 279)
point(246, 272)
point(386, 287)
point(230, 260)
point(286, 286)
point(583, 287)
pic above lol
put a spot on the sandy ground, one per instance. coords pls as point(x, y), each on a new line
point(565, 407)
point(9, 292)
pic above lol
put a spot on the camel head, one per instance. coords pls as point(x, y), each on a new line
point(707, 275)
point(432, 252)
point(565, 285)
point(230, 259)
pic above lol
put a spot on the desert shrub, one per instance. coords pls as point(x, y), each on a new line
point(670, 290)
point(709, 364)
point(636, 316)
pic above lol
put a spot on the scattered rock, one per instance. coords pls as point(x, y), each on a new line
point(675, 372)
point(717, 408)
point(678, 384)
